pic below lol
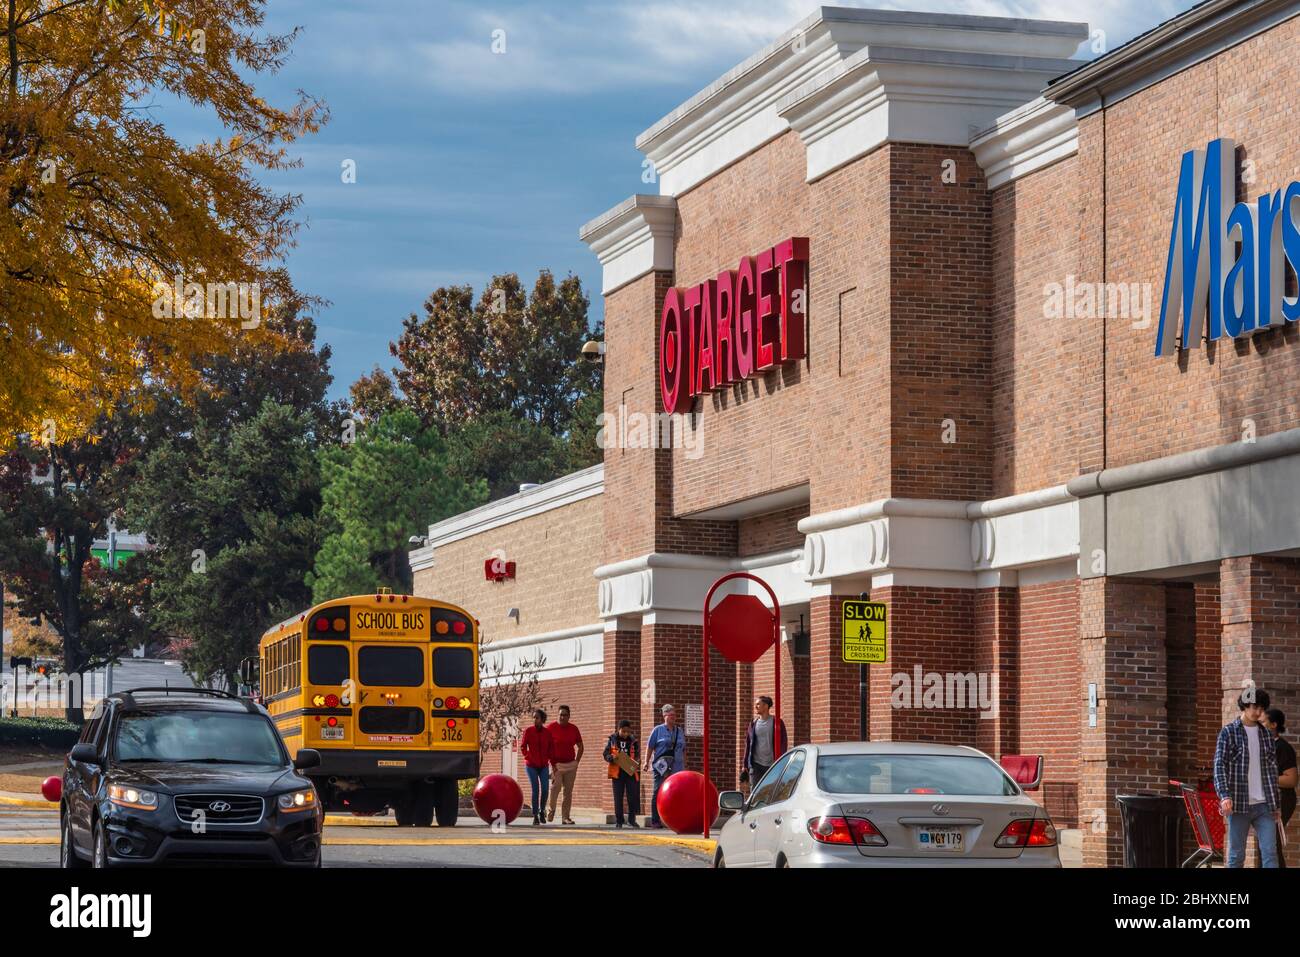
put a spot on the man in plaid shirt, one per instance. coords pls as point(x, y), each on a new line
point(1245, 778)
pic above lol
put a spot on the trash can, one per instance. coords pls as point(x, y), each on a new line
point(1153, 829)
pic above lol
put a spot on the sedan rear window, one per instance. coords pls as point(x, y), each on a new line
point(911, 774)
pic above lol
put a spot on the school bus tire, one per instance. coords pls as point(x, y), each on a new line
point(422, 807)
point(446, 802)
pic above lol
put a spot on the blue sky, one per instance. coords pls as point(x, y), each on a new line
point(471, 163)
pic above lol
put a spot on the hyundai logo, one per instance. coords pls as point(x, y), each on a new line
point(219, 807)
point(940, 809)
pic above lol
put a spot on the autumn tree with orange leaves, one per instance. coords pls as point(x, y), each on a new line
point(105, 217)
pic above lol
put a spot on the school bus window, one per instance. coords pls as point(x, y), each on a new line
point(297, 661)
point(391, 720)
point(327, 664)
point(382, 666)
point(453, 667)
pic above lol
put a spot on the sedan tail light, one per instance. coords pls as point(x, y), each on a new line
point(841, 830)
point(1038, 832)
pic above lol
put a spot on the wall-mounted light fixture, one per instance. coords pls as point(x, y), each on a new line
point(800, 639)
point(513, 615)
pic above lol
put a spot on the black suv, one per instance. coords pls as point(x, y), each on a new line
point(186, 776)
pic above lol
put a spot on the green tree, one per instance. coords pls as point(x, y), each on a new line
point(55, 500)
point(230, 555)
point(388, 485)
point(233, 515)
point(508, 351)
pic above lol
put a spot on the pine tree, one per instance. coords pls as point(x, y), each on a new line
point(387, 486)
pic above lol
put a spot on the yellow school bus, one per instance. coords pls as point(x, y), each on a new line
point(385, 688)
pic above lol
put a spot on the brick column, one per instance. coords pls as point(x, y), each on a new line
point(1209, 679)
point(744, 708)
point(620, 693)
point(671, 673)
point(797, 700)
point(930, 629)
point(833, 685)
point(997, 650)
point(795, 675)
point(1122, 633)
point(1260, 614)
point(1180, 657)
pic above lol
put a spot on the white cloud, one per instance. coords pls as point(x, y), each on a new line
point(629, 44)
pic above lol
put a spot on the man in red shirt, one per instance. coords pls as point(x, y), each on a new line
point(536, 746)
point(567, 743)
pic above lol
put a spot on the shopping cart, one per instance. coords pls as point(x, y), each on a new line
point(1207, 823)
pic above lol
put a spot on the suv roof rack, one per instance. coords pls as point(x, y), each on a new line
point(129, 696)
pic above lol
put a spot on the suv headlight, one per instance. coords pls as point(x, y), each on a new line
point(303, 800)
point(124, 796)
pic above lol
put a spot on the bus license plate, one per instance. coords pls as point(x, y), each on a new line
point(941, 839)
point(331, 734)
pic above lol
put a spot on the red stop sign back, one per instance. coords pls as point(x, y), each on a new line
point(742, 628)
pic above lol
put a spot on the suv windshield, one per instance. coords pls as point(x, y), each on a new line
point(203, 736)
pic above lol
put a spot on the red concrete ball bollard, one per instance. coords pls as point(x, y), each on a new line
point(52, 789)
point(498, 794)
point(681, 800)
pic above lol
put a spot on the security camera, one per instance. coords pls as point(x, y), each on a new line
point(594, 350)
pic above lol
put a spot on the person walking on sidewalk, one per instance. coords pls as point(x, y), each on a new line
point(665, 754)
point(761, 751)
point(566, 741)
point(1275, 721)
point(536, 746)
point(1245, 779)
point(626, 784)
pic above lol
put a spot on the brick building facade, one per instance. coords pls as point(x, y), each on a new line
point(1039, 498)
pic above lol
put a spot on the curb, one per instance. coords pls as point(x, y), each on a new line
point(6, 801)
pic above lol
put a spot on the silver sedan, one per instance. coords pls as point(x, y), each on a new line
point(885, 804)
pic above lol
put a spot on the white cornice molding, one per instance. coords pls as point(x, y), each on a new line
point(908, 95)
point(555, 494)
point(924, 540)
point(568, 653)
point(669, 584)
point(743, 109)
point(632, 239)
point(1026, 139)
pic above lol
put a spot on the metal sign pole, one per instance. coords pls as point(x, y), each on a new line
point(775, 612)
point(862, 689)
point(705, 696)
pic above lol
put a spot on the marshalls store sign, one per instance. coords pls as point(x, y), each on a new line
point(1253, 242)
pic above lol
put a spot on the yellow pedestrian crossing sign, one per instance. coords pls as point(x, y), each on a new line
point(864, 627)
